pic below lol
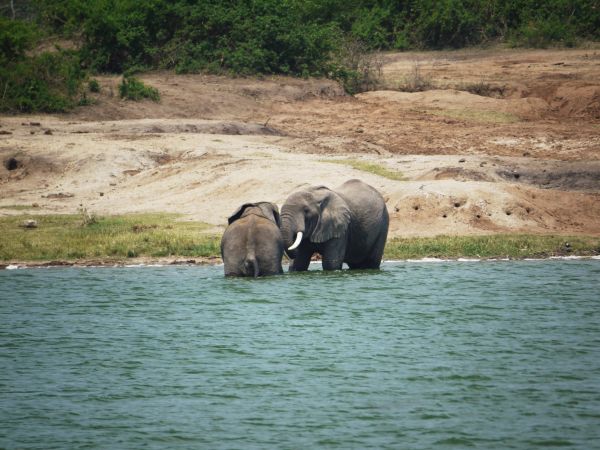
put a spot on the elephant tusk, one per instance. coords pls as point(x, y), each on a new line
point(297, 241)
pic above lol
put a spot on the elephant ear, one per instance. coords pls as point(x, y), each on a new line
point(270, 211)
point(334, 217)
point(238, 212)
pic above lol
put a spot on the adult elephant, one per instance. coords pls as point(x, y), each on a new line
point(346, 225)
point(252, 245)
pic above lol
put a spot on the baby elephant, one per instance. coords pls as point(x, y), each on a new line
point(252, 245)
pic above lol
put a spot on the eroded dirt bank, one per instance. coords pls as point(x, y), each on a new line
point(505, 141)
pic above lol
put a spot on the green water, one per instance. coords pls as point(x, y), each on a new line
point(492, 355)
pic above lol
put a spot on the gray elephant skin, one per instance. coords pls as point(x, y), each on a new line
point(252, 245)
point(346, 225)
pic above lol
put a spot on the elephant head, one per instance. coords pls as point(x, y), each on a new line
point(267, 210)
point(316, 214)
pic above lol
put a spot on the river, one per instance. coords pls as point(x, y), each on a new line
point(418, 355)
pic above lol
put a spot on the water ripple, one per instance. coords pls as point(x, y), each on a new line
point(494, 355)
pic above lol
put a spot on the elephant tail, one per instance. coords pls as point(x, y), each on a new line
point(251, 265)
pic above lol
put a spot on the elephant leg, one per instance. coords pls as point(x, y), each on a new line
point(373, 259)
point(302, 260)
point(333, 253)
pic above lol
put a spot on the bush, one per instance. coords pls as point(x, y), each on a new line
point(356, 68)
point(133, 89)
point(49, 82)
point(94, 86)
point(16, 37)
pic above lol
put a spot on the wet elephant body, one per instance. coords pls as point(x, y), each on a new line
point(252, 244)
point(346, 225)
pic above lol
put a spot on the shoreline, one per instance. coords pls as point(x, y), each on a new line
point(216, 261)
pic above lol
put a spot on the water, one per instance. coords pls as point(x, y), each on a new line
point(493, 355)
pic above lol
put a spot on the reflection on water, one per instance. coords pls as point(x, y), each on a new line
point(417, 355)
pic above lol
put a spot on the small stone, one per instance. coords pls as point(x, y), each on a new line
point(462, 160)
point(29, 223)
point(101, 194)
point(49, 132)
point(35, 205)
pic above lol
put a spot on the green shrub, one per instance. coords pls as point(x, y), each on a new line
point(133, 89)
point(16, 37)
point(94, 86)
point(49, 82)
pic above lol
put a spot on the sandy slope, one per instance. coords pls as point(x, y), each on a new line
point(525, 159)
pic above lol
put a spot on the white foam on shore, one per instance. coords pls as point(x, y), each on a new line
point(554, 258)
point(12, 267)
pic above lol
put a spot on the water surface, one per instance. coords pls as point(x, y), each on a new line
point(492, 355)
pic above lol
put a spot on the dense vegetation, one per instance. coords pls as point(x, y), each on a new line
point(296, 37)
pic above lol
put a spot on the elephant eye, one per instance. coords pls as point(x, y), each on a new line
point(306, 210)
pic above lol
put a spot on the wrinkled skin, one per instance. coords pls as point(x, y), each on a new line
point(346, 225)
point(252, 245)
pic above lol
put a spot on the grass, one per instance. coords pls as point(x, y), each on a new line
point(64, 237)
point(512, 246)
point(369, 167)
point(116, 238)
point(482, 116)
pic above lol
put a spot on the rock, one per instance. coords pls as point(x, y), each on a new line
point(462, 160)
point(48, 132)
point(5, 132)
point(29, 223)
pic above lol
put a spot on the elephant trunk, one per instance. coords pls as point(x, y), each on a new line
point(290, 231)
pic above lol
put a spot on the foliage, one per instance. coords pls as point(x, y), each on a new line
point(16, 37)
point(49, 82)
point(355, 67)
point(133, 89)
point(330, 38)
point(94, 86)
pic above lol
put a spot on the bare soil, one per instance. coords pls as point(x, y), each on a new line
point(503, 141)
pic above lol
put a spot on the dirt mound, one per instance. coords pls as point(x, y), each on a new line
point(564, 178)
point(462, 102)
point(577, 101)
point(518, 152)
point(175, 126)
point(205, 97)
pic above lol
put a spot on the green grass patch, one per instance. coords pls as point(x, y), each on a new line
point(65, 237)
point(369, 167)
point(470, 115)
point(493, 246)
